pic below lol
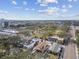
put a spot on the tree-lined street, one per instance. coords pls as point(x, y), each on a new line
point(71, 48)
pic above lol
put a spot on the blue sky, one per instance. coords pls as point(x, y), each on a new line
point(39, 9)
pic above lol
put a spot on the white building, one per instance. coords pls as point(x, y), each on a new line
point(9, 32)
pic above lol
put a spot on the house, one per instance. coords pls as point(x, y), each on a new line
point(42, 46)
point(52, 39)
point(56, 48)
point(55, 38)
point(31, 43)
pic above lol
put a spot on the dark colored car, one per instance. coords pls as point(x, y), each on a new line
point(61, 53)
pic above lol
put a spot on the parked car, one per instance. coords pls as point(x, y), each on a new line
point(61, 53)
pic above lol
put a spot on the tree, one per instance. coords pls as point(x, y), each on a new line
point(77, 37)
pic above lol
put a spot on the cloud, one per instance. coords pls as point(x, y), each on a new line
point(29, 9)
point(75, 0)
point(51, 1)
point(64, 10)
point(63, 6)
point(43, 5)
point(17, 7)
point(14, 2)
point(75, 17)
point(3, 12)
point(49, 10)
point(52, 10)
point(41, 11)
point(32, 9)
point(70, 0)
point(70, 6)
point(26, 9)
point(47, 1)
point(24, 3)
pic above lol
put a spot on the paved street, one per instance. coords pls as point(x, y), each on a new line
point(70, 52)
point(71, 48)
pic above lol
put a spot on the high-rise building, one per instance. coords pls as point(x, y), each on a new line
point(4, 23)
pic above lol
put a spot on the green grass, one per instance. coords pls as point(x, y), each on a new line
point(53, 56)
point(78, 50)
point(27, 55)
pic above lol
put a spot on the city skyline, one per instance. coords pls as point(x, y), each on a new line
point(39, 9)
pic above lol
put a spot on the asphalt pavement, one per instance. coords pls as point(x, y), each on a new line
point(70, 51)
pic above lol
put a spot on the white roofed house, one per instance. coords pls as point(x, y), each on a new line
point(56, 48)
point(30, 44)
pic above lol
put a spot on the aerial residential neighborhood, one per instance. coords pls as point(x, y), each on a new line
point(39, 29)
point(46, 40)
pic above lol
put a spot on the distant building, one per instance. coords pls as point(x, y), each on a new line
point(1, 21)
point(9, 32)
point(5, 24)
